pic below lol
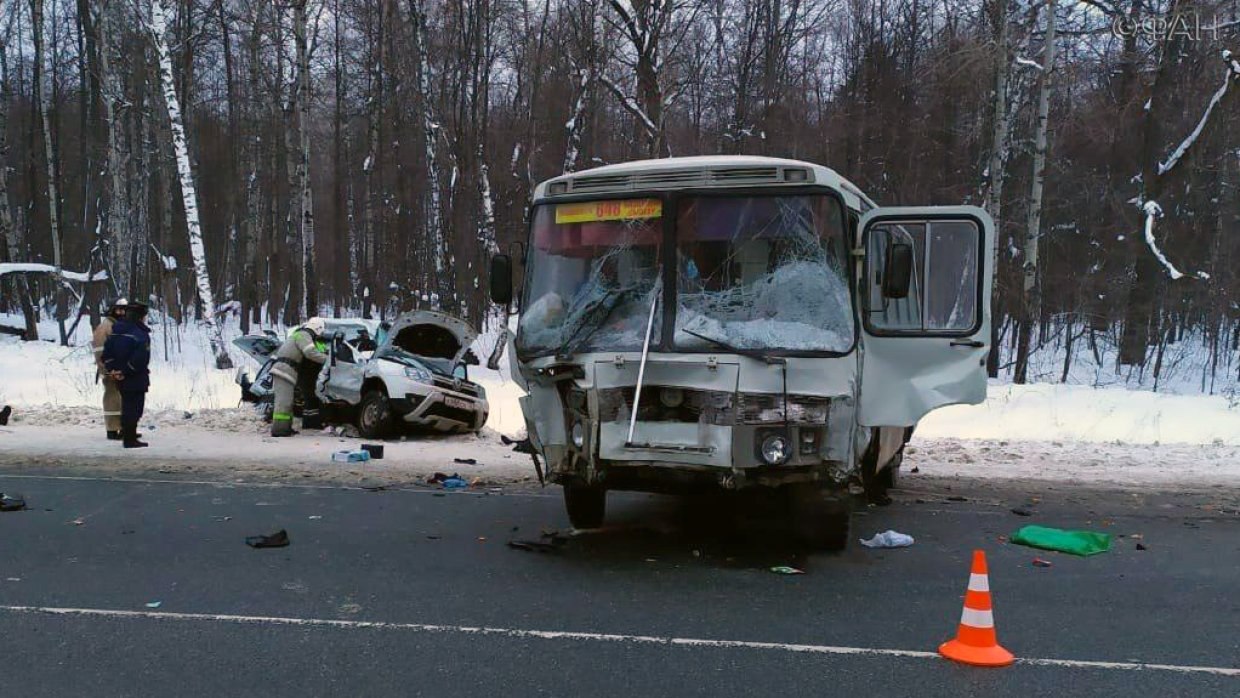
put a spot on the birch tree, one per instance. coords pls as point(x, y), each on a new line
point(309, 280)
point(1033, 222)
point(189, 196)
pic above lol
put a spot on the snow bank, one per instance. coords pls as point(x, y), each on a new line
point(1081, 413)
point(184, 378)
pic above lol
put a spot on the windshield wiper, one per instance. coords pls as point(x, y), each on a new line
point(595, 319)
point(751, 353)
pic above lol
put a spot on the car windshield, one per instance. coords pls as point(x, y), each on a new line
point(593, 276)
point(762, 272)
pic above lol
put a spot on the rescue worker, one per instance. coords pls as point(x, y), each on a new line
point(298, 362)
point(127, 358)
point(111, 393)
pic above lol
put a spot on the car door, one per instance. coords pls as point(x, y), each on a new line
point(928, 348)
point(342, 376)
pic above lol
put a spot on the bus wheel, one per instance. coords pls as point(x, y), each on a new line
point(586, 506)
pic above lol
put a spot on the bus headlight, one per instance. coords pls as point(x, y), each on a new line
point(775, 449)
point(672, 397)
point(579, 435)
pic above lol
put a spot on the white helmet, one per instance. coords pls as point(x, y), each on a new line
point(316, 325)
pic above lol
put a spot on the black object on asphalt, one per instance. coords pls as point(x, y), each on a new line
point(1021, 511)
point(375, 450)
point(12, 502)
point(4, 415)
point(465, 461)
point(279, 539)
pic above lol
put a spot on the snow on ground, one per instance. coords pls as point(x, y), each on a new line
point(236, 441)
point(1053, 412)
point(1040, 431)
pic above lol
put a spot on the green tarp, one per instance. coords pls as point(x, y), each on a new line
point(1072, 542)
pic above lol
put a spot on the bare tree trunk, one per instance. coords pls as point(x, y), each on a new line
point(53, 196)
point(1030, 306)
point(10, 235)
point(441, 256)
point(189, 195)
point(309, 281)
point(998, 150)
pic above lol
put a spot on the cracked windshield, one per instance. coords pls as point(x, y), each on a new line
point(593, 277)
point(763, 272)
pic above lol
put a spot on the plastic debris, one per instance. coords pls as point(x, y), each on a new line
point(888, 539)
point(279, 539)
point(1021, 511)
point(375, 450)
point(78, 522)
point(155, 604)
point(1039, 562)
point(784, 569)
point(314, 518)
point(453, 483)
point(957, 498)
point(1141, 546)
point(12, 502)
point(1083, 543)
point(465, 461)
point(358, 456)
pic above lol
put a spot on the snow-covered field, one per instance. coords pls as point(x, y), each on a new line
point(1040, 431)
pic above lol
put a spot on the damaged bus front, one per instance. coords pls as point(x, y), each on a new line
point(736, 323)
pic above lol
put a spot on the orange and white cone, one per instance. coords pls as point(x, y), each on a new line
point(976, 642)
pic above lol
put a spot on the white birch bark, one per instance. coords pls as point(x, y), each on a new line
point(309, 299)
point(1034, 220)
point(430, 128)
point(574, 124)
point(189, 195)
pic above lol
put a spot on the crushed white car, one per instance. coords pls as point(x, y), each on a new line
point(413, 373)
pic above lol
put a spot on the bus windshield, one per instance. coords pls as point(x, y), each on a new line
point(752, 272)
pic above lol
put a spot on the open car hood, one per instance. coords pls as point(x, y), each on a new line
point(431, 334)
point(260, 347)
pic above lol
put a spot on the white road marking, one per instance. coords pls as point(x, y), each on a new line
point(517, 633)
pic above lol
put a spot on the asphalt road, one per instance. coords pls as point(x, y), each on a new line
point(416, 593)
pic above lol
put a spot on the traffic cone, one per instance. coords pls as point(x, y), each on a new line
point(976, 642)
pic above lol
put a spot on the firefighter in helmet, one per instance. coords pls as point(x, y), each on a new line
point(298, 362)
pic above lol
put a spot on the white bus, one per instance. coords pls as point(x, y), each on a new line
point(739, 322)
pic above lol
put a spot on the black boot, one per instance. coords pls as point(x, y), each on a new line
point(130, 434)
point(114, 435)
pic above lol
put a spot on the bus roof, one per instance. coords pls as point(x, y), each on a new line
point(699, 172)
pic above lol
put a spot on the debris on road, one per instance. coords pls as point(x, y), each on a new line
point(465, 461)
point(1083, 543)
point(1141, 546)
point(1021, 511)
point(375, 450)
point(12, 502)
point(957, 498)
point(5, 414)
point(533, 546)
point(78, 522)
point(221, 518)
point(358, 456)
point(448, 482)
point(1039, 562)
point(888, 539)
point(784, 569)
point(915, 470)
point(155, 604)
point(279, 539)
point(314, 518)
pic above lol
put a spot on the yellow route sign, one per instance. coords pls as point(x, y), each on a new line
point(620, 210)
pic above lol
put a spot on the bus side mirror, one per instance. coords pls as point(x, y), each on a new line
point(898, 270)
point(501, 279)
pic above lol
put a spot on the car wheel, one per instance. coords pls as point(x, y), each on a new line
point(374, 415)
point(586, 506)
